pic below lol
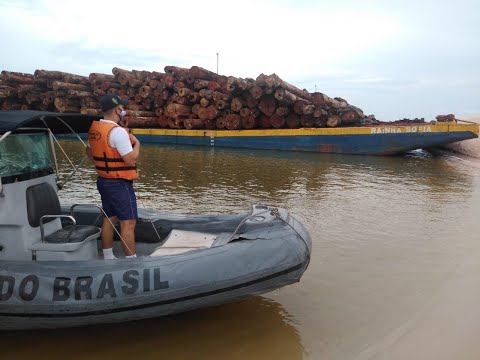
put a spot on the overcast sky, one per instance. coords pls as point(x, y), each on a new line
point(394, 59)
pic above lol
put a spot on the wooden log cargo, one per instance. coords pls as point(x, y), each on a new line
point(193, 98)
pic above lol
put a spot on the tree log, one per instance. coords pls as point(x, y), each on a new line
point(221, 104)
point(256, 92)
point(141, 74)
point(299, 106)
point(307, 121)
point(256, 112)
point(233, 122)
point(282, 111)
point(267, 105)
point(134, 82)
point(197, 72)
point(245, 111)
point(264, 122)
point(145, 91)
point(168, 81)
point(78, 94)
point(98, 78)
point(140, 113)
point(147, 104)
point(9, 104)
point(210, 124)
point(320, 122)
point(141, 122)
point(292, 121)
point(204, 102)
point(53, 75)
point(178, 85)
point(220, 122)
point(91, 112)
point(48, 98)
point(33, 97)
point(248, 122)
point(200, 84)
point(250, 101)
point(213, 85)
point(178, 72)
point(153, 83)
point(245, 84)
point(274, 81)
point(349, 117)
point(124, 78)
point(23, 89)
point(193, 97)
point(286, 96)
point(309, 110)
point(195, 109)
point(212, 112)
point(61, 102)
point(320, 113)
point(138, 98)
point(117, 71)
point(174, 110)
point(333, 121)
point(217, 95)
point(59, 85)
point(68, 109)
point(317, 99)
point(207, 94)
point(16, 77)
point(7, 91)
point(237, 103)
point(277, 121)
point(105, 85)
point(76, 79)
point(190, 124)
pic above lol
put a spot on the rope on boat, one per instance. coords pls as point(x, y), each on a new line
point(75, 170)
point(5, 135)
point(273, 211)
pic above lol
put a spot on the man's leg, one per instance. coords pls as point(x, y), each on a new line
point(127, 231)
point(107, 234)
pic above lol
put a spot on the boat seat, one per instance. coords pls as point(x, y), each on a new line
point(43, 206)
point(79, 234)
point(181, 241)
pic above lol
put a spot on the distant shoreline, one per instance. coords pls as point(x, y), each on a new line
point(469, 148)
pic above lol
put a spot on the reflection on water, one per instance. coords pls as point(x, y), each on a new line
point(197, 179)
point(236, 331)
point(387, 233)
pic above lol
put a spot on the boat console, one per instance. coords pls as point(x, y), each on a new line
point(30, 212)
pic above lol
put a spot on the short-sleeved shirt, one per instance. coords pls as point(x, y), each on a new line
point(119, 139)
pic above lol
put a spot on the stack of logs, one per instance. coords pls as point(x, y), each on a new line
point(190, 98)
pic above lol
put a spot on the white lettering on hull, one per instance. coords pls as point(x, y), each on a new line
point(400, 129)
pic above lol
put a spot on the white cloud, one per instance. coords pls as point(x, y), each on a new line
point(360, 51)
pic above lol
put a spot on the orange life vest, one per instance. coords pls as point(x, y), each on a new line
point(108, 162)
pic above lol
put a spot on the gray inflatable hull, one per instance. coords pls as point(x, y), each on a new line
point(263, 256)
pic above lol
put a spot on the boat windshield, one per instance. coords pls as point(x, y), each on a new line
point(25, 156)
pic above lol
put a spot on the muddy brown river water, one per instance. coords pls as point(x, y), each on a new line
point(394, 274)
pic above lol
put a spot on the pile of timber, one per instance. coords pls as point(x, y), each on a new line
point(189, 98)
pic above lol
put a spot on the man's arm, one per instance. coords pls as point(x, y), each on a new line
point(132, 156)
point(88, 151)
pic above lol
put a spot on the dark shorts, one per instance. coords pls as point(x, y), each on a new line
point(118, 198)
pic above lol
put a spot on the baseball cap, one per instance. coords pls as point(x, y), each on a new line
point(109, 101)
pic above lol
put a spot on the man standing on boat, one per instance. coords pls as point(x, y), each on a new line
point(115, 153)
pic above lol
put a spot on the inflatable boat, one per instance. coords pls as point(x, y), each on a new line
point(52, 273)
